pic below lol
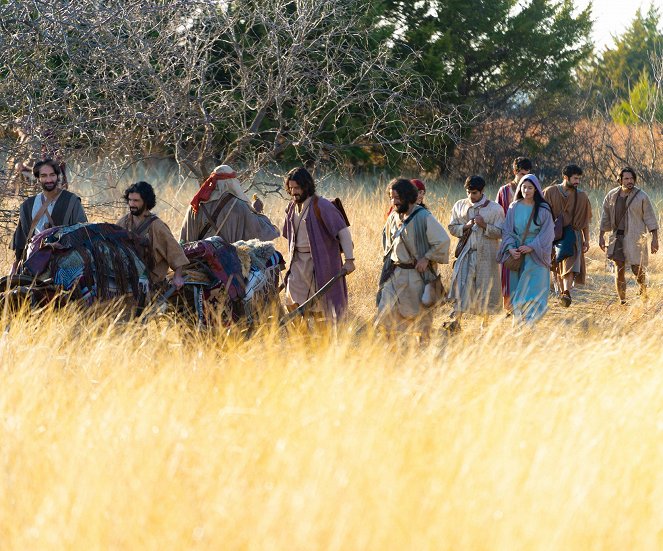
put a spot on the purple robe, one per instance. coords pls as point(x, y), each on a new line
point(325, 250)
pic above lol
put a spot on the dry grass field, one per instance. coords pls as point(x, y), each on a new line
point(157, 436)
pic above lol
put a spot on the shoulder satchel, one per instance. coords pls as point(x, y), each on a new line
point(559, 221)
point(466, 234)
point(43, 210)
point(514, 264)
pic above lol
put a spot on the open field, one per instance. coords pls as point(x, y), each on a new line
point(146, 436)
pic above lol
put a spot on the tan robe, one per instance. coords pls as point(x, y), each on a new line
point(166, 250)
point(639, 220)
point(401, 295)
point(561, 203)
point(237, 221)
point(476, 280)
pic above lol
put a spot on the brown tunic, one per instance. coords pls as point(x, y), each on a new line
point(165, 248)
point(561, 200)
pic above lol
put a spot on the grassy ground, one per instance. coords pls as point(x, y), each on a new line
point(146, 436)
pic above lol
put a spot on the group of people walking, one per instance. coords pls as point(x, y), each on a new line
point(506, 253)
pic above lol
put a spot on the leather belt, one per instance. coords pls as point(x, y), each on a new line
point(405, 266)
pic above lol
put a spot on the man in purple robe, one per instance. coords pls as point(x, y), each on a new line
point(317, 234)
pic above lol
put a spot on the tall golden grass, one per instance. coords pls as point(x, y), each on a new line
point(157, 436)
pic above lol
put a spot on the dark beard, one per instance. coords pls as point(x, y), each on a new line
point(137, 211)
point(403, 208)
point(43, 186)
point(301, 198)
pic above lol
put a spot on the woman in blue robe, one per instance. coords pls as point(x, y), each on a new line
point(530, 285)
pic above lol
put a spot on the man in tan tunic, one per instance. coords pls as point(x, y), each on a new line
point(475, 285)
point(414, 241)
point(221, 207)
point(166, 251)
point(628, 213)
point(572, 204)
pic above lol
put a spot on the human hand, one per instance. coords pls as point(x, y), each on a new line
point(525, 249)
point(349, 265)
point(602, 242)
point(515, 253)
point(585, 246)
point(654, 246)
point(480, 221)
point(178, 281)
point(421, 265)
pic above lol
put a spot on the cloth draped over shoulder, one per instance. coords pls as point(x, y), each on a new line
point(475, 283)
point(423, 237)
point(166, 250)
point(67, 211)
point(324, 249)
point(640, 218)
point(236, 220)
point(563, 201)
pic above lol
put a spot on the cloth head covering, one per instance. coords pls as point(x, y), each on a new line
point(418, 184)
point(222, 180)
point(532, 179)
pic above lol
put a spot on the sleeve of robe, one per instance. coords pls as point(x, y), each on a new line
point(648, 214)
point(494, 230)
point(541, 246)
point(166, 246)
point(78, 213)
point(457, 222)
point(606, 224)
point(190, 227)
point(439, 241)
point(345, 238)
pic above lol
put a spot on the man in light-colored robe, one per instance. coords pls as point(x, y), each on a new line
point(628, 213)
point(475, 284)
point(414, 241)
point(221, 207)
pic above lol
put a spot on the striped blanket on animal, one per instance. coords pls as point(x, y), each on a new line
point(237, 273)
point(96, 261)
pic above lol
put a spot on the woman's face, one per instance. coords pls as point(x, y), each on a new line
point(527, 189)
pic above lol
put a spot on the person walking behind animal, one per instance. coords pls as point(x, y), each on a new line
point(628, 214)
point(572, 210)
point(520, 166)
point(317, 233)
point(52, 207)
point(413, 241)
point(221, 207)
point(165, 250)
point(527, 238)
point(477, 223)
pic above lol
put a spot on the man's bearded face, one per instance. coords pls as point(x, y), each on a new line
point(628, 180)
point(400, 205)
point(296, 192)
point(48, 178)
point(136, 204)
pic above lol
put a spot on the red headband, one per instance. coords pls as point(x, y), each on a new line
point(207, 187)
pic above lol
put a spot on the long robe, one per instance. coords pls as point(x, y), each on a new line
point(324, 251)
point(504, 198)
point(67, 211)
point(640, 219)
point(475, 283)
point(166, 251)
point(531, 285)
point(401, 294)
point(237, 221)
point(561, 200)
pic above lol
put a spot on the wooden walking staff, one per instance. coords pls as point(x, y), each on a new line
point(315, 296)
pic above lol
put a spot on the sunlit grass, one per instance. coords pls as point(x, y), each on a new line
point(156, 435)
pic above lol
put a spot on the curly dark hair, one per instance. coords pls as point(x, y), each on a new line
point(522, 163)
point(303, 178)
point(571, 170)
point(50, 162)
point(406, 190)
point(475, 183)
point(146, 192)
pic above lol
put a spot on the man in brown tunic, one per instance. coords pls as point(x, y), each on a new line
point(572, 204)
point(166, 251)
point(628, 213)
